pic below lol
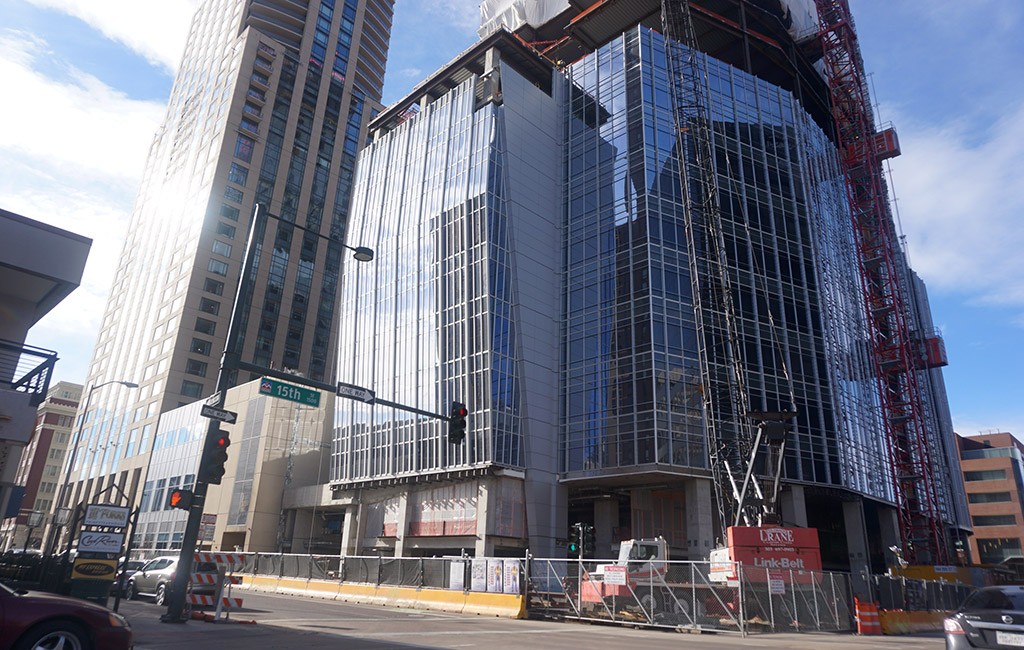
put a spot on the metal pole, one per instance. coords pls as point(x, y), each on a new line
point(176, 599)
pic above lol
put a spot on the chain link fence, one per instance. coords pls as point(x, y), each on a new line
point(897, 592)
point(686, 595)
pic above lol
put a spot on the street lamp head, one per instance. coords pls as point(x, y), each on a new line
point(363, 254)
point(128, 384)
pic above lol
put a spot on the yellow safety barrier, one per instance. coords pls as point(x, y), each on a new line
point(897, 621)
point(467, 602)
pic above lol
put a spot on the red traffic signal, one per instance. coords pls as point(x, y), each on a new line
point(181, 499)
point(211, 465)
point(457, 423)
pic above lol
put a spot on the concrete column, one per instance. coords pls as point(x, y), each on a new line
point(793, 507)
point(606, 518)
point(889, 524)
point(402, 524)
point(857, 546)
point(352, 530)
point(700, 530)
point(484, 547)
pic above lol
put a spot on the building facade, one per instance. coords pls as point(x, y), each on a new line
point(40, 265)
point(993, 471)
point(534, 263)
point(42, 461)
point(269, 106)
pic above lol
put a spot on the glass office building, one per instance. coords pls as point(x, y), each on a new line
point(269, 106)
point(540, 272)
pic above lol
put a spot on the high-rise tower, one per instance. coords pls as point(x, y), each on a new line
point(268, 106)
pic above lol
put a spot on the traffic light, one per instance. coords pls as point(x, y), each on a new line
point(575, 546)
point(211, 469)
point(588, 539)
point(181, 499)
point(457, 423)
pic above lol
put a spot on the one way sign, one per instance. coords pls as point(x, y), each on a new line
point(218, 414)
point(356, 392)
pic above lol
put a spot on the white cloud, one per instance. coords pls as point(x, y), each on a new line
point(155, 30)
point(463, 14)
point(73, 159)
point(960, 202)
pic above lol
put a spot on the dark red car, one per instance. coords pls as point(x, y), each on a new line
point(33, 620)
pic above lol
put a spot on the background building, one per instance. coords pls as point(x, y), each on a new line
point(277, 447)
point(39, 473)
point(993, 471)
point(269, 105)
point(39, 266)
point(533, 263)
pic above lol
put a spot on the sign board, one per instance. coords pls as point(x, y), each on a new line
point(107, 516)
point(356, 392)
point(510, 577)
point(776, 583)
point(761, 549)
point(290, 392)
point(206, 527)
point(478, 574)
point(100, 542)
point(457, 576)
point(94, 569)
point(495, 569)
point(615, 574)
point(214, 413)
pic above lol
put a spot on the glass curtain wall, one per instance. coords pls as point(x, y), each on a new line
point(632, 380)
point(430, 322)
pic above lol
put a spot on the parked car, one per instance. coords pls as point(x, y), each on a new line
point(155, 577)
point(31, 620)
point(128, 570)
point(991, 617)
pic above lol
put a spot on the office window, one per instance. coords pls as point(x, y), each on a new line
point(229, 212)
point(222, 249)
point(214, 287)
point(204, 326)
point(225, 230)
point(994, 520)
point(209, 306)
point(988, 497)
point(243, 148)
point(233, 194)
point(986, 475)
point(191, 389)
point(197, 368)
point(217, 267)
point(199, 346)
point(238, 174)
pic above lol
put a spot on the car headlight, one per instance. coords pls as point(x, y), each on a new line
point(116, 620)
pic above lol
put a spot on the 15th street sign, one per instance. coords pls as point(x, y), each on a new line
point(356, 392)
point(218, 414)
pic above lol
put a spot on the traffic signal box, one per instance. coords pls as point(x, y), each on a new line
point(457, 423)
point(211, 468)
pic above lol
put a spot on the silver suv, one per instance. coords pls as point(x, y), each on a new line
point(154, 579)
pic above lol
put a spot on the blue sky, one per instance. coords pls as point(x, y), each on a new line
point(89, 80)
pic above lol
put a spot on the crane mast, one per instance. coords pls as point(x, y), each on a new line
point(883, 282)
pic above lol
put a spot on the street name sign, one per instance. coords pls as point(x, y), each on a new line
point(218, 414)
point(290, 392)
point(356, 392)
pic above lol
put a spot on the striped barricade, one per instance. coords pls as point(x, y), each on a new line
point(220, 558)
point(207, 600)
point(868, 622)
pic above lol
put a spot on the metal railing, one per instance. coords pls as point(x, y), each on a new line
point(897, 592)
point(26, 369)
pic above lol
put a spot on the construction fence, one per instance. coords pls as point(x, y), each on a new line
point(688, 596)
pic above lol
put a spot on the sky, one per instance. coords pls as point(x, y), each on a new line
point(86, 84)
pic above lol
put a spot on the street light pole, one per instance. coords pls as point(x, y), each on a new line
point(65, 486)
point(230, 360)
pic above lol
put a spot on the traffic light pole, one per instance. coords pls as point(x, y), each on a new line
point(176, 598)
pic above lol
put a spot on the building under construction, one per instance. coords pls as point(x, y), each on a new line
point(620, 251)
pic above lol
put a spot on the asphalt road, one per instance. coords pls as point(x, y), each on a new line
point(299, 623)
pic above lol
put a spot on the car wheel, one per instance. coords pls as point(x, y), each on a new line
point(129, 590)
point(55, 635)
point(161, 595)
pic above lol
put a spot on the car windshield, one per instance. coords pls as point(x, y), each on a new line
point(995, 599)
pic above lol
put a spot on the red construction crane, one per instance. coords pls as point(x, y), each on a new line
point(895, 352)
